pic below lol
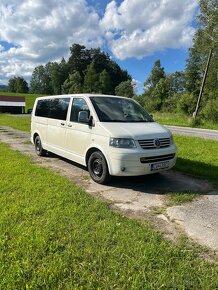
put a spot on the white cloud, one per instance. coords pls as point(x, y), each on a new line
point(141, 27)
point(1, 48)
point(43, 31)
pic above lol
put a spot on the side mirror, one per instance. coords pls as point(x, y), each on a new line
point(83, 117)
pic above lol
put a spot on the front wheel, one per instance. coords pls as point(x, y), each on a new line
point(98, 169)
point(38, 147)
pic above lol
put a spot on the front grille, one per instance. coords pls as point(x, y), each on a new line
point(159, 158)
point(150, 143)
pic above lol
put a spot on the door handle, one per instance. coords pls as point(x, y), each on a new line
point(69, 125)
point(62, 124)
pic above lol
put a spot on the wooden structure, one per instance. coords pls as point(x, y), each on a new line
point(12, 104)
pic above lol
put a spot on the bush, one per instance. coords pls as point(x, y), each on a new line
point(152, 104)
point(186, 103)
point(170, 104)
point(194, 122)
point(210, 111)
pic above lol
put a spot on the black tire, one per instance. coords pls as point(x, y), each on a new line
point(38, 147)
point(98, 169)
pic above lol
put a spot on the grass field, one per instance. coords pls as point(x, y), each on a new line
point(55, 236)
point(197, 157)
point(21, 123)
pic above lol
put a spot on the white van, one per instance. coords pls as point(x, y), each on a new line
point(111, 135)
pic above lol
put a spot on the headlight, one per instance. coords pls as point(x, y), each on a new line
point(171, 139)
point(122, 143)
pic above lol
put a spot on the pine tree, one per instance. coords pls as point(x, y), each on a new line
point(91, 80)
point(105, 83)
point(73, 84)
point(157, 73)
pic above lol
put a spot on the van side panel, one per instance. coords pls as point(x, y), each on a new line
point(56, 130)
point(78, 138)
point(39, 126)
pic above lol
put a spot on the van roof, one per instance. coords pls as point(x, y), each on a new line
point(80, 95)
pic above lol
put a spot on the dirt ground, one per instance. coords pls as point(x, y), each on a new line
point(140, 197)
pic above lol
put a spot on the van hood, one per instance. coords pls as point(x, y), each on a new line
point(137, 131)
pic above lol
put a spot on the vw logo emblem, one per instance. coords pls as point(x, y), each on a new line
point(157, 143)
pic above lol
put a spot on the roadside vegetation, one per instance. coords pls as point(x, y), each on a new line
point(181, 119)
point(55, 236)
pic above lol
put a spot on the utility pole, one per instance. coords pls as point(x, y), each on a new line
point(202, 84)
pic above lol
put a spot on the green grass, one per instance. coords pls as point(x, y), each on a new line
point(55, 236)
point(21, 123)
point(198, 157)
point(177, 198)
point(177, 119)
point(30, 98)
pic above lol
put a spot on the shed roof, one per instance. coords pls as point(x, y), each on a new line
point(12, 99)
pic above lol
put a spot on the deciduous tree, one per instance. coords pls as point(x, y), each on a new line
point(125, 89)
point(18, 85)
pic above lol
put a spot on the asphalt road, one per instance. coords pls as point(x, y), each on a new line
point(194, 132)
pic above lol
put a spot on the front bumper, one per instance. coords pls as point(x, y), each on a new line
point(129, 162)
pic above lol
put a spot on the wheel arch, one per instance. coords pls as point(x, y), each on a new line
point(94, 149)
point(34, 136)
point(36, 133)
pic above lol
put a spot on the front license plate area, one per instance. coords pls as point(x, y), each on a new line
point(160, 165)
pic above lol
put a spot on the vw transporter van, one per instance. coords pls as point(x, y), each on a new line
point(111, 135)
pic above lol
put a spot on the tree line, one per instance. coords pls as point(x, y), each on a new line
point(93, 71)
point(87, 70)
point(179, 91)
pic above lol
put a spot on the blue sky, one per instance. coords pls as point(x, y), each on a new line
point(135, 33)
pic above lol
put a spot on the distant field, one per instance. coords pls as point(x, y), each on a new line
point(30, 98)
point(21, 123)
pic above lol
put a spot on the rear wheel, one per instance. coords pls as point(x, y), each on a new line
point(98, 169)
point(38, 147)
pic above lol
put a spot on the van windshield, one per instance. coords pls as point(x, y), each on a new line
point(110, 109)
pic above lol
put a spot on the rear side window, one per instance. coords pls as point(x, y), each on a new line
point(58, 108)
point(42, 108)
point(53, 108)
